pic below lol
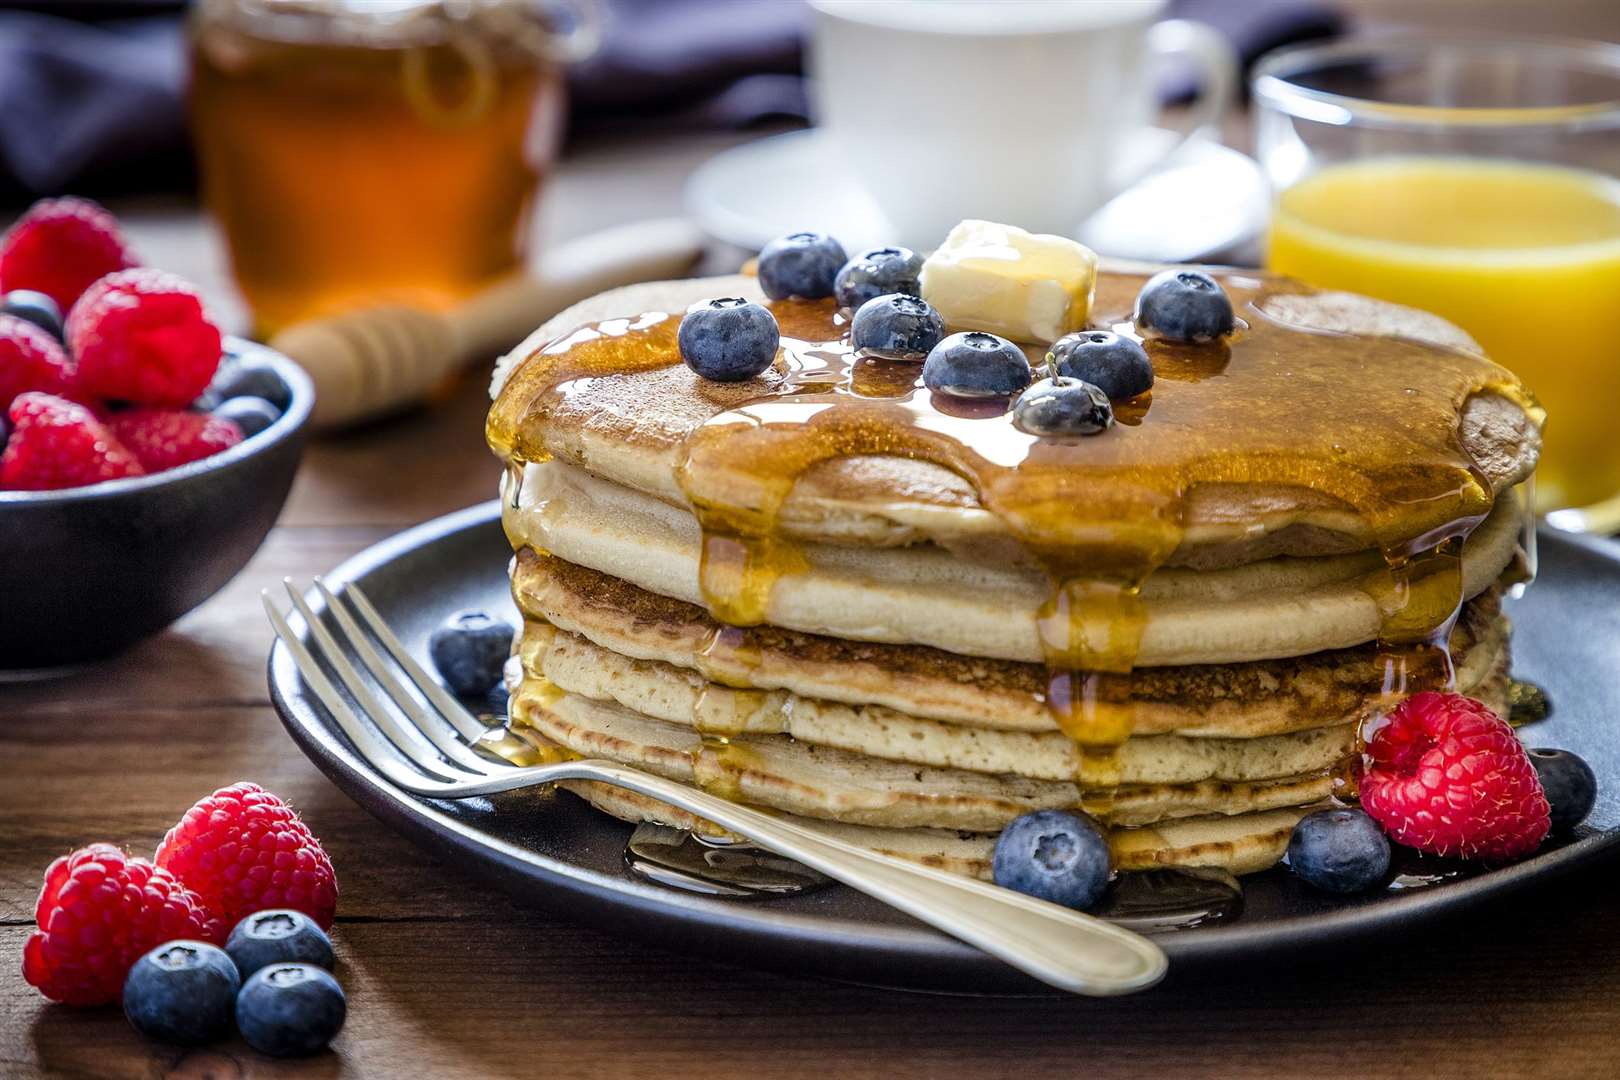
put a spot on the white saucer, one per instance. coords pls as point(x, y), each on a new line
point(1206, 203)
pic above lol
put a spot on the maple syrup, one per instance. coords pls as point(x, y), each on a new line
point(355, 155)
point(1273, 404)
point(684, 860)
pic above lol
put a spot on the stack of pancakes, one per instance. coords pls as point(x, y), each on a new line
point(892, 677)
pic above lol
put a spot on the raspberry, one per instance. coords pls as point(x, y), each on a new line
point(99, 911)
point(244, 850)
point(143, 336)
point(1448, 776)
point(161, 439)
point(56, 444)
point(59, 247)
point(30, 359)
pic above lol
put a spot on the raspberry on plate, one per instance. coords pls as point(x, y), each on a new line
point(57, 444)
point(31, 359)
point(59, 247)
point(143, 336)
point(165, 439)
point(1448, 776)
point(245, 850)
point(98, 912)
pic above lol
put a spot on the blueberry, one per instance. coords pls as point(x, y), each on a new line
point(876, 271)
point(251, 414)
point(1570, 784)
point(896, 326)
point(278, 936)
point(470, 650)
point(34, 307)
point(728, 340)
point(1056, 855)
point(1184, 305)
point(1119, 365)
point(182, 992)
point(976, 365)
point(801, 264)
point(1339, 851)
point(1062, 407)
point(256, 380)
point(287, 1010)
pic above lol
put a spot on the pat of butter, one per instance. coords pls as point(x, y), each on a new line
point(1032, 287)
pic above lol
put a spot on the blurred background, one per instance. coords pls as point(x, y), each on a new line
point(96, 97)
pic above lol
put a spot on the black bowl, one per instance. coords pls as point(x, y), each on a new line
point(89, 571)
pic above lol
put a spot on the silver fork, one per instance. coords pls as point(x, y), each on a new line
point(422, 740)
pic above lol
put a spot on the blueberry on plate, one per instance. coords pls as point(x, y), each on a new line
point(470, 650)
point(256, 380)
point(976, 365)
point(251, 414)
point(896, 326)
point(1063, 407)
point(1570, 784)
point(801, 264)
point(729, 339)
point(1056, 855)
point(877, 271)
point(1339, 851)
point(182, 992)
point(1184, 305)
point(34, 307)
point(288, 1010)
point(278, 936)
point(1119, 365)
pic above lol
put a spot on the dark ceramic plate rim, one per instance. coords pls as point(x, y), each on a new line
point(300, 389)
point(762, 927)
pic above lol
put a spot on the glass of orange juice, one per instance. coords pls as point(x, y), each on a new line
point(1480, 180)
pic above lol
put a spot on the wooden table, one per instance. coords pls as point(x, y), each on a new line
point(447, 978)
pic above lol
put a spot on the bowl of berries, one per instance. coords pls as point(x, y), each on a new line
point(145, 455)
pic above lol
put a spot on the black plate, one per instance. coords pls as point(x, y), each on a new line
point(557, 852)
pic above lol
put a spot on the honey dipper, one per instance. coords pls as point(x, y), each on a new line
point(375, 360)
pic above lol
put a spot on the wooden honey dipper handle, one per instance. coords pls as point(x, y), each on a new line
point(376, 360)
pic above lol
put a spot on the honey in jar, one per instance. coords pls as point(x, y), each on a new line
point(357, 153)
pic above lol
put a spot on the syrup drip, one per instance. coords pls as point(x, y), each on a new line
point(1272, 405)
point(1527, 703)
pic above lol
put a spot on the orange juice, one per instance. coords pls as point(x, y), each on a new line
point(1524, 257)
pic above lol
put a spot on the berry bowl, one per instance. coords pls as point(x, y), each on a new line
point(86, 572)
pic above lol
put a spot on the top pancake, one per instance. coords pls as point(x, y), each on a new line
point(633, 428)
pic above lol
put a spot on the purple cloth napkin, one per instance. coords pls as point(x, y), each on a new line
point(91, 91)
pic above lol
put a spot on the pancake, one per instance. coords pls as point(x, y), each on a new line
point(1240, 844)
point(924, 595)
point(837, 785)
point(631, 427)
point(683, 697)
point(831, 593)
point(1225, 700)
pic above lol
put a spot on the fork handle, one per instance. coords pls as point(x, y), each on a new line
point(1063, 948)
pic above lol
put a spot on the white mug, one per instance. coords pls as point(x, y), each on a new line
point(1030, 112)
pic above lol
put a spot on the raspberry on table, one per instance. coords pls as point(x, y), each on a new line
point(98, 912)
point(143, 336)
point(60, 246)
point(243, 850)
point(31, 359)
point(56, 443)
point(1448, 776)
point(164, 439)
